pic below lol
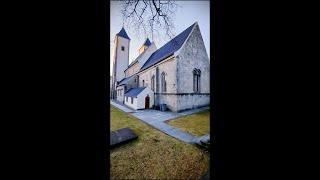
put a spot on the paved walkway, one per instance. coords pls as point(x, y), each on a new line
point(121, 107)
point(157, 120)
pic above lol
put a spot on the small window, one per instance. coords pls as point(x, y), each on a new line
point(142, 83)
point(122, 48)
point(152, 83)
point(131, 100)
point(127, 98)
point(196, 80)
point(163, 82)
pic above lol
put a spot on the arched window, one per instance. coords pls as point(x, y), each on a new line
point(152, 83)
point(142, 83)
point(163, 82)
point(196, 80)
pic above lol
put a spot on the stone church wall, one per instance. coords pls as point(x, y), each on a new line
point(192, 101)
point(193, 55)
point(169, 67)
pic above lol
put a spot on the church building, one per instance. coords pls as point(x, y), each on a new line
point(176, 74)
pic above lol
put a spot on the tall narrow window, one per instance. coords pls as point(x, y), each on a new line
point(142, 83)
point(196, 80)
point(131, 100)
point(163, 82)
point(152, 83)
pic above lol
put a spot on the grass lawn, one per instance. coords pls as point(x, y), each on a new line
point(197, 124)
point(154, 155)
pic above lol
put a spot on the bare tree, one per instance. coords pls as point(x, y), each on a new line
point(149, 16)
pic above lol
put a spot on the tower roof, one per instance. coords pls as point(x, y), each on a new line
point(123, 33)
point(147, 42)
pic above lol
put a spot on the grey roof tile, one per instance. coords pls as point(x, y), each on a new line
point(133, 92)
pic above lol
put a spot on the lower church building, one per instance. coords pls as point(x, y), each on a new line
point(176, 74)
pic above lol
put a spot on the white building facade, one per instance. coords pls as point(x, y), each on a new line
point(139, 98)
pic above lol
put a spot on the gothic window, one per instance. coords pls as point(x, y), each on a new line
point(196, 80)
point(152, 83)
point(163, 82)
point(122, 48)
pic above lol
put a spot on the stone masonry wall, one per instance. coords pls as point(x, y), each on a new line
point(191, 101)
point(193, 55)
point(169, 67)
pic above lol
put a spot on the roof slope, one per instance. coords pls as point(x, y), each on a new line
point(125, 80)
point(133, 92)
point(132, 63)
point(138, 58)
point(123, 34)
point(168, 49)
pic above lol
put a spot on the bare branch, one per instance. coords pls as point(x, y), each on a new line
point(149, 16)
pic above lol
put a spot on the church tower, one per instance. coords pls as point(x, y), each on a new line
point(144, 46)
point(120, 59)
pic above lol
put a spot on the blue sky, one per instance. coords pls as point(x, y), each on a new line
point(186, 15)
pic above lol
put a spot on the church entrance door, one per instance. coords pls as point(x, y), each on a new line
point(147, 102)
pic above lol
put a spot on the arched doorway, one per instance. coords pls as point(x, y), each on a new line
point(147, 102)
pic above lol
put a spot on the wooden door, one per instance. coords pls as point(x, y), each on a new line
point(147, 102)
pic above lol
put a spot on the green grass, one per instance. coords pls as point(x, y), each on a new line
point(154, 155)
point(197, 124)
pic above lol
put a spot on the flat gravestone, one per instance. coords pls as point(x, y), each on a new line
point(121, 136)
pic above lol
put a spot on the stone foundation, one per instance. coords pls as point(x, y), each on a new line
point(183, 101)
